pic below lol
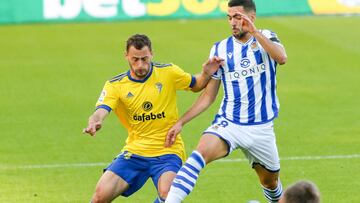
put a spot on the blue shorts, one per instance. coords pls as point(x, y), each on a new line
point(136, 170)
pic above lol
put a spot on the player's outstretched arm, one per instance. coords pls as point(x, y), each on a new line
point(276, 51)
point(95, 121)
point(203, 102)
point(209, 68)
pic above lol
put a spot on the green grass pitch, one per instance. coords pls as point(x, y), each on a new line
point(52, 75)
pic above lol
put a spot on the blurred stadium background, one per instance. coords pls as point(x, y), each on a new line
point(55, 56)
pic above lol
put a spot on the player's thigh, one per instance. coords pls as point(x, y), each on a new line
point(165, 182)
point(110, 186)
point(163, 171)
point(263, 150)
point(133, 169)
point(212, 147)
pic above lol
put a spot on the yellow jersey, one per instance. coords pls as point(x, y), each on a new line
point(147, 108)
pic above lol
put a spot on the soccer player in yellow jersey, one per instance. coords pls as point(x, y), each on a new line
point(144, 100)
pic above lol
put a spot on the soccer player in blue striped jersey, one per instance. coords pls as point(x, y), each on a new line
point(245, 117)
point(144, 100)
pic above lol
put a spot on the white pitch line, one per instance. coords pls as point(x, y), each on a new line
point(350, 156)
point(41, 166)
point(77, 165)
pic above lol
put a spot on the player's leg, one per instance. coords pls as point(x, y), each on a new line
point(109, 187)
point(263, 155)
point(210, 148)
point(163, 170)
point(270, 182)
point(163, 185)
point(124, 176)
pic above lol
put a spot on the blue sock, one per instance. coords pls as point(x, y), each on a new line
point(273, 195)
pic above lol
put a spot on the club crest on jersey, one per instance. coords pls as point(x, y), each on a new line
point(245, 63)
point(230, 54)
point(254, 46)
point(102, 96)
point(159, 86)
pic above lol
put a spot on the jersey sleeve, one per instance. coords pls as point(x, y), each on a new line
point(109, 98)
point(213, 52)
point(182, 79)
point(271, 36)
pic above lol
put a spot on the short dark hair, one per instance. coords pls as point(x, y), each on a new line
point(249, 5)
point(302, 192)
point(138, 41)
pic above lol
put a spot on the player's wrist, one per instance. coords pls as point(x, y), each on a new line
point(206, 74)
point(255, 32)
point(180, 122)
point(94, 122)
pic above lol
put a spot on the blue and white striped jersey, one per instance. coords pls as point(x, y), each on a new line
point(249, 80)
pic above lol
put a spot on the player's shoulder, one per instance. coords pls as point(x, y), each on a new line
point(117, 78)
point(162, 65)
point(270, 35)
point(267, 31)
point(222, 41)
point(167, 69)
point(216, 45)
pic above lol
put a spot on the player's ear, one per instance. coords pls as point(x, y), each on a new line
point(252, 16)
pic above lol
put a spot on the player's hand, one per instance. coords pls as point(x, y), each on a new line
point(212, 65)
point(172, 133)
point(247, 24)
point(92, 127)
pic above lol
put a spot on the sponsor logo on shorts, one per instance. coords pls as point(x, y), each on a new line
point(127, 155)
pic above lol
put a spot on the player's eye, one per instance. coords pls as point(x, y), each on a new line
point(236, 17)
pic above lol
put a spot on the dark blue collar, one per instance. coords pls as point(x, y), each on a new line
point(143, 80)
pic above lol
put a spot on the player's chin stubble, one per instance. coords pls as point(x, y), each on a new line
point(239, 35)
point(141, 73)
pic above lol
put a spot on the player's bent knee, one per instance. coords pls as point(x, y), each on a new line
point(204, 151)
point(163, 192)
point(212, 147)
point(97, 199)
point(100, 196)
